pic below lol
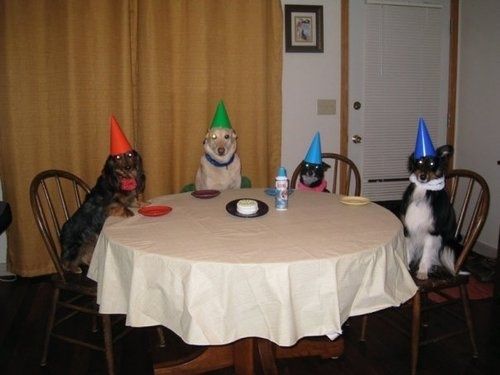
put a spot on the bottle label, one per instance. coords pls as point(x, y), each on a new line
point(281, 199)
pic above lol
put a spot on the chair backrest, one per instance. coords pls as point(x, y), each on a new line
point(470, 197)
point(55, 195)
point(343, 171)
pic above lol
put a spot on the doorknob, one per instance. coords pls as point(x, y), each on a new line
point(356, 105)
point(356, 138)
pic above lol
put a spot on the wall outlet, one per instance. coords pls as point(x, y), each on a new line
point(326, 106)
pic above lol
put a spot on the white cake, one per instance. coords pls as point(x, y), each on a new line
point(247, 206)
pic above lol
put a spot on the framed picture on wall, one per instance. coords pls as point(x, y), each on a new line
point(303, 28)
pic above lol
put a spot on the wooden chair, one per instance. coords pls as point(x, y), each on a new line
point(54, 196)
point(343, 170)
point(470, 196)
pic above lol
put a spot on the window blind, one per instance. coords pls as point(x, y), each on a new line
point(402, 71)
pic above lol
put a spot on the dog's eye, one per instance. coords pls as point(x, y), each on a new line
point(316, 167)
point(420, 162)
point(431, 164)
point(130, 155)
point(214, 136)
point(118, 157)
point(226, 136)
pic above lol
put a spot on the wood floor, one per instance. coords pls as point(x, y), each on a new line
point(23, 313)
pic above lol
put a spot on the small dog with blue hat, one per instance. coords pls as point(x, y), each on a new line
point(427, 214)
point(313, 168)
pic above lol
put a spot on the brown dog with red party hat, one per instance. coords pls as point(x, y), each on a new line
point(119, 187)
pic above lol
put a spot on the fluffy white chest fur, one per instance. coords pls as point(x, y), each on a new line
point(420, 243)
point(419, 219)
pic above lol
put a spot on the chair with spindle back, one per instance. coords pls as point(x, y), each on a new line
point(470, 197)
point(55, 195)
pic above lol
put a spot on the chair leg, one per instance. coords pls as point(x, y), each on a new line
point(161, 336)
point(94, 323)
point(424, 300)
point(50, 325)
point(364, 323)
point(468, 318)
point(108, 343)
point(415, 332)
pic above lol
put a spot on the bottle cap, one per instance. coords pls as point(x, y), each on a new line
point(281, 172)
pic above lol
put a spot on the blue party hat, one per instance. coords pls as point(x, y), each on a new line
point(314, 154)
point(423, 146)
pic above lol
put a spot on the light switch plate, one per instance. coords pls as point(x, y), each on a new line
point(326, 106)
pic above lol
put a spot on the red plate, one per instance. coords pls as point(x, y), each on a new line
point(154, 210)
point(205, 194)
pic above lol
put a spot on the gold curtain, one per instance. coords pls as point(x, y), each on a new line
point(159, 66)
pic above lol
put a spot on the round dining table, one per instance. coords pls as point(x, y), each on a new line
point(226, 281)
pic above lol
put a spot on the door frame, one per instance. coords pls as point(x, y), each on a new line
point(344, 76)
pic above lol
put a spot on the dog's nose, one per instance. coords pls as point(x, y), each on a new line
point(128, 168)
point(221, 150)
point(422, 176)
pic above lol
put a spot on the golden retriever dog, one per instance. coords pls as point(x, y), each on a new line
point(220, 166)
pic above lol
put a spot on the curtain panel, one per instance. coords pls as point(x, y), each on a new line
point(159, 66)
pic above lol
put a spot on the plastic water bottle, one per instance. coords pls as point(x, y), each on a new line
point(281, 197)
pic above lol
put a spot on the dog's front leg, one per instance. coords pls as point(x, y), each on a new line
point(430, 256)
point(139, 202)
point(411, 251)
point(118, 209)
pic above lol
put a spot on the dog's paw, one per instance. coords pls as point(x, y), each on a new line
point(71, 267)
point(422, 275)
point(127, 212)
point(141, 204)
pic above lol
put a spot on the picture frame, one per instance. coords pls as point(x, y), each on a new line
point(303, 28)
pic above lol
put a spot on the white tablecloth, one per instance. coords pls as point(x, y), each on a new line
point(214, 278)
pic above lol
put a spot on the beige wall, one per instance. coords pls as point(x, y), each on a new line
point(478, 120)
point(308, 77)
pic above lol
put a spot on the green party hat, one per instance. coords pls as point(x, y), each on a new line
point(221, 119)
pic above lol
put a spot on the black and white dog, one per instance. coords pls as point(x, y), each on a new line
point(428, 217)
point(312, 177)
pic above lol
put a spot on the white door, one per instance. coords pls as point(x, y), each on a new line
point(398, 72)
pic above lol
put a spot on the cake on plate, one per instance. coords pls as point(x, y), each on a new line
point(247, 206)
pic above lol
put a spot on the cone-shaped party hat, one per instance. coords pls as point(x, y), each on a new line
point(118, 142)
point(423, 146)
point(221, 119)
point(314, 154)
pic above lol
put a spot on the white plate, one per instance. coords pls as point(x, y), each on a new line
point(354, 200)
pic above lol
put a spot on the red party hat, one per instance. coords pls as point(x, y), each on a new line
point(118, 142)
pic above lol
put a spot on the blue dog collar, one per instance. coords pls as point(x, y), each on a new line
point(216, 163)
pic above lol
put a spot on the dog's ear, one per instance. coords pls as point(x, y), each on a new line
point(325, 165)
point(108, 172)
point(445, 151)
point(411, 162)
point(141, 177)
point(234, 135)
